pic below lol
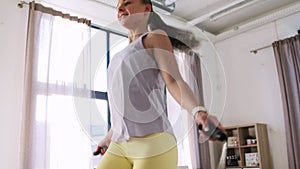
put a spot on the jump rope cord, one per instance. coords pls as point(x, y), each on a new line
point(222, 161)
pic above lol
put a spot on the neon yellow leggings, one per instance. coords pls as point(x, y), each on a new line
point(155, 151)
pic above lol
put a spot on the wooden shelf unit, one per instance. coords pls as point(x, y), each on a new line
point(258, 132)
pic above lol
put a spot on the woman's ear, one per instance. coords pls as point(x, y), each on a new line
point(148, 8)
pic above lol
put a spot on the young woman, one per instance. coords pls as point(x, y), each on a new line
point(141, 137)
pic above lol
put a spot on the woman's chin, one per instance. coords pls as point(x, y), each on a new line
point(126, 23)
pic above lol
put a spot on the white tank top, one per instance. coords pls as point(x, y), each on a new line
point(136, 94)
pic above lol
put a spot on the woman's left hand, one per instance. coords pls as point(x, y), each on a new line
point(201, 119)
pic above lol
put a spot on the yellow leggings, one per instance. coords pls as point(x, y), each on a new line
point(155, 151)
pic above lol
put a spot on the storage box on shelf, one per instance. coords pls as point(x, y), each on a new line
point(248, 147)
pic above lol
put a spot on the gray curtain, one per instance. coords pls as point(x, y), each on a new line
point(287, 54)
point(193, 63)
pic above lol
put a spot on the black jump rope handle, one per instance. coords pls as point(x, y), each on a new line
point(214, 132)
point(100, 150)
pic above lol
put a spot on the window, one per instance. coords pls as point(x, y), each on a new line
point(62, 71)
point(104, 44)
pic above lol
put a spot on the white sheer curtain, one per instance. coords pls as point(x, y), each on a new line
point(190, 152)
point(57, 89)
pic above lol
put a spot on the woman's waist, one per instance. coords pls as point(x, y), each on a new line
point(145, 146)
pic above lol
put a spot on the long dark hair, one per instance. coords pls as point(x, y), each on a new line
point(181, 39)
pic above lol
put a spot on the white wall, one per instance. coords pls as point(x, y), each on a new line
point(84, 8)
point(253, 92)
point(12, 46)
point(13, 27)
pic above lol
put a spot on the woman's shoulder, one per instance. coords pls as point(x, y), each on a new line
point(158, 32)
point(157, 37)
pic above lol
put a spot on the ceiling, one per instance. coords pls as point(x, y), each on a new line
point(232, 13)
point(223, 18)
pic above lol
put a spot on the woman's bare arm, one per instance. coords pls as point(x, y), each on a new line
point(178, 88)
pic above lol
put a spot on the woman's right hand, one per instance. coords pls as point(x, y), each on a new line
point(103, 144)
point(102, 147)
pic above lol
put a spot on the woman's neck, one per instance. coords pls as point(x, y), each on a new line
point(133, 35)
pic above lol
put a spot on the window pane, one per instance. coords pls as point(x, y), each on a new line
point(98, 61)
point(57, 121)
point(99, 122)
point(69, 122)
point(99, 58)
point(99, 125)
point(60, 64)
point(117, 43)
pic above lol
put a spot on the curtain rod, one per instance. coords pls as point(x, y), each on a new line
point(22, 3)
point(254, 51)
point(51, 11)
